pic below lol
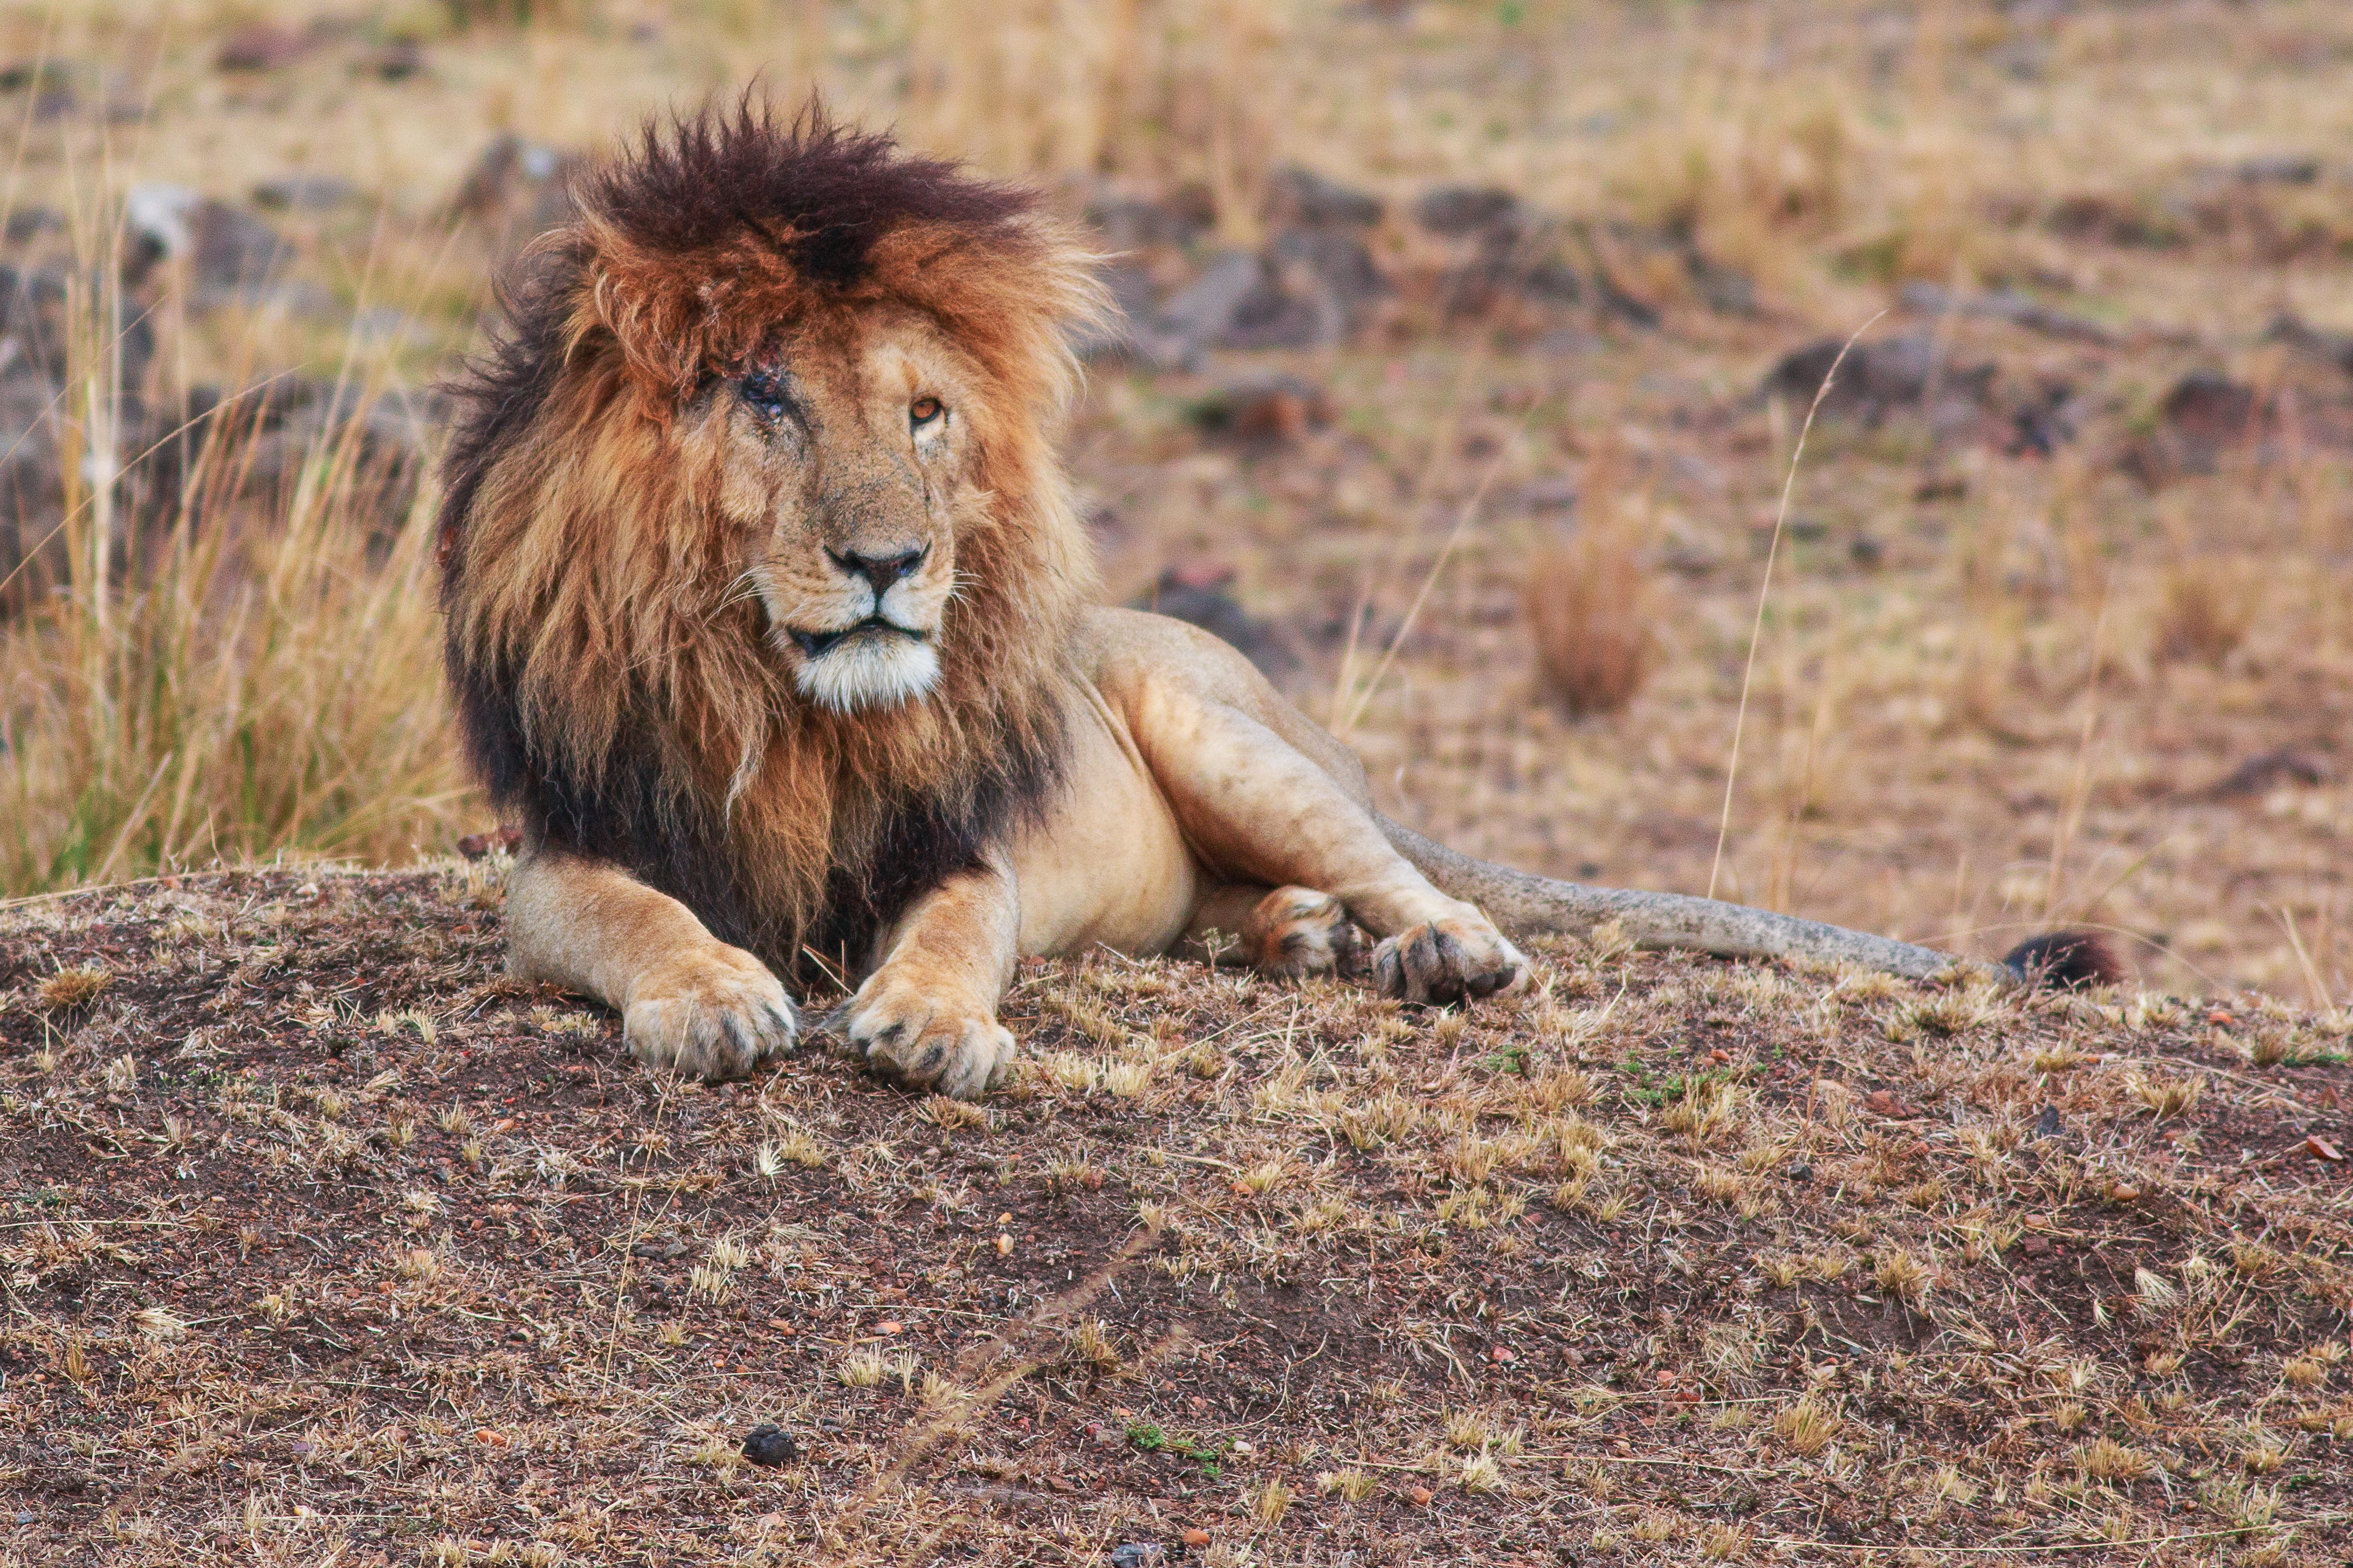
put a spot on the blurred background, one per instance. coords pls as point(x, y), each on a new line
point(1469, 352)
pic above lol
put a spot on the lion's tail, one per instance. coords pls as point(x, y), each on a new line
point(1537, 906)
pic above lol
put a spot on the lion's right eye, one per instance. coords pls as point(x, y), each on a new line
point(766, 394)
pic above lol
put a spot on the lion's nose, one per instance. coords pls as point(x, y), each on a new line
point(881, 571)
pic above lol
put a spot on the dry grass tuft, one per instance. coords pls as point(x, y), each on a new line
point(1807, 1428)
point(2106, 1460)
point(2205, 612)
point(71, 988)
point(1592, 614)
point(2164, 1099)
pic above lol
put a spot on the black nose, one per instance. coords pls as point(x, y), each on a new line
point(881, 571)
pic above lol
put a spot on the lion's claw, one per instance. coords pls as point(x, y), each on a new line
point(1447, 961)
point(715, 1013)
point(901, 1032)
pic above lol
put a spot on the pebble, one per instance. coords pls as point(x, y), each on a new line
point(770, 1445)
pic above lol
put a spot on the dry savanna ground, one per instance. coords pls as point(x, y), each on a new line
point(1473, 349)
point(325, 1243)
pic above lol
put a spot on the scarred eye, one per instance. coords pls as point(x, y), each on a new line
point(765, 392)
point(923, 410)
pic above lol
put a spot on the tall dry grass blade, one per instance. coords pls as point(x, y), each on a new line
point(1764, 591)
point(2079, 780)
point(1463, 518)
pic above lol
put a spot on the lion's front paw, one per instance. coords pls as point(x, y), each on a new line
point(1296, 932)
point(1446, 960)
point(906, 1035)
point(711, 1013)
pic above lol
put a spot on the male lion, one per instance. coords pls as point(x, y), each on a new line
point(769, 617)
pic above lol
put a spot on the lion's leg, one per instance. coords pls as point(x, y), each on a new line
point(927, 1015)
point(1285, 931)
point(687, 1000)
point(1254, 805)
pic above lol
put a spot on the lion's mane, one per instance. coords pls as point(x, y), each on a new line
point(615, 686)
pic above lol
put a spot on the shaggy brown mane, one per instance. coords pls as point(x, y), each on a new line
point(614, 684)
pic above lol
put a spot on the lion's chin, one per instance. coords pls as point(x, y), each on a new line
point(870, 669)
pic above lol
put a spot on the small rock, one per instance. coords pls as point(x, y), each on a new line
point(1727, 290)
point(2044, 422)
point(769, 1445)
point(2208, 409)
point(1196, 1538)
point(32, 222)
point(2002, 305)
point(2280, 169)
point(2036, 1247)
point(2268, 770)
point(1884, 1103)
point(2336, 348)
point(516, 187)
point(260, 47)
point(1301, 198)
point(1263, 409)
point(305, 192)
point(1138, 1555)
point(1876, 379)
point(1458, 212)
point(1418, 1495)
point(155, 220)
point(1332, 274)
point(1801, 1172)
point(1206, 310)
point(1131, 223)
point(2050, 1123)
point(52, 84)
point(396, 61)
point(231, 253)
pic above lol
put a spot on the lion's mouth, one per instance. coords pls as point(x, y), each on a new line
point(817, 645)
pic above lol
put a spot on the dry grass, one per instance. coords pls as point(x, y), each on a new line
point(254, 688)
point(1593, 616)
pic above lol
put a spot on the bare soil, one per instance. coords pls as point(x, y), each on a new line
point(323, 1242)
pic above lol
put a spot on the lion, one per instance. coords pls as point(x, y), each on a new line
point(771, 622)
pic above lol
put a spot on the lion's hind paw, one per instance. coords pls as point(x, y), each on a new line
point(1297, 932)
point(1446, 962)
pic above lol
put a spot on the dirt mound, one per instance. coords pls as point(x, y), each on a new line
point(324, 1241)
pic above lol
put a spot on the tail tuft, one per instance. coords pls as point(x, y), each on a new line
point(2068, 961)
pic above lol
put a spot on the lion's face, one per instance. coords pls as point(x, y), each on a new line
point(844, 453)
